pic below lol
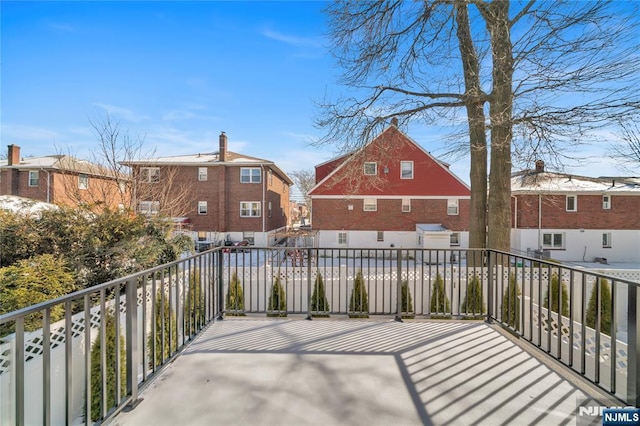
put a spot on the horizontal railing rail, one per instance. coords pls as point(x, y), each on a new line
point(583, 319)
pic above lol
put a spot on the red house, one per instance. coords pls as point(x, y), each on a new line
point(390, 193)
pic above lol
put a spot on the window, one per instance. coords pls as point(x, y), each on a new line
point(83, 181)
point(269, 208)
point(33, 178)
point(202, 207)
point(452, 207)
point(202, 174)
point(606, 202)
point(250, 175)
point(149, 207)
point(553, 241)
point(406, 205)
point(370, 205)
point(380, 236)
point(250, 237)
point(270, 177)
point(370, 169)
point(606, 240)
point(406, 169)
point(250, 209)
point(150, 174)
point(202, 236)
point(454, 239)
point(342, 238)
point(572, 203)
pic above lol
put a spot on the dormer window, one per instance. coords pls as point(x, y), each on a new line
point(370, 168)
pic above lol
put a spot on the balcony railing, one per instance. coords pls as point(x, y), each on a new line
point(75, 373)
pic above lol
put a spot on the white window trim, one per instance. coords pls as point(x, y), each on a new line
point(371, 206)
point(153, 207)
point(606, 205)
point(552, 246)
point(375, 168)
point(251, 169)
point(575, 203)
point(606, 240)
point(453, 203)
point(406, 202)
point(149, 174)
point(37, 179)
point(412, 169)
point(203, 173)
point(80, 179)
point(202, 211)
point(252, 211)
point(343, 238)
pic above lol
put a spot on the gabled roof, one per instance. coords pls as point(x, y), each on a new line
point(209, 159)
point(62, 163)
point(432, 178)
point(530, 181)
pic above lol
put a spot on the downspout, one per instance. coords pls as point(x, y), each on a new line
point(539, 221)
point(264, 196)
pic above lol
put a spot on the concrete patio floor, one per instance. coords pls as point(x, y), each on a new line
point(357, 372)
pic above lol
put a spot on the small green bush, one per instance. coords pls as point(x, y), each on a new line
point(439, 300)
point(277, 306)
point(110, 367)
point(194, 304)
point(605, 307)
point(319, 301)
point(511, 304)
point(406, 307)
point(359, 301)
point(555, 288)
point(235, 297)
point(166, 326)
point(473, 302)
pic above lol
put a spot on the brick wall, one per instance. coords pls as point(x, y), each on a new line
point(623, 214)
point(334, 214)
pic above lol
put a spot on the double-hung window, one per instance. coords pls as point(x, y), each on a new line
point(452, 207)
point(150, 174)
point(406, 170)
point(149, 207)
point(33, 178)
point(202, 174)
point(454, 239)
point(83, 181)
point(202, 207)
point(572, 203)
point(606, 240)
point(342, 238)
point(606, 202)
point(370, 205)
point(250, 175)
point(250, 209)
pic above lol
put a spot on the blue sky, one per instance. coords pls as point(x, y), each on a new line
point(177, 73)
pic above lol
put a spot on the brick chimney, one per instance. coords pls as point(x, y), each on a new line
point(394, 121)
point(222, 153)
point(13, 156)
point(539, 166)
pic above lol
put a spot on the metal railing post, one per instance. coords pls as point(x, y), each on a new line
point(490, 285)
point(220, 286)
point(132, 341)
point(399, 286)
point(309, 284)
point(633, 362)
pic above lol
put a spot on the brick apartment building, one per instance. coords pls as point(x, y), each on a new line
point(576, 218)
point(390, 193)
point(62, 180)
point(215, 196)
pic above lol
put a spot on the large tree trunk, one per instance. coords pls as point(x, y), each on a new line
point(477, 134)
point(500, 112)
